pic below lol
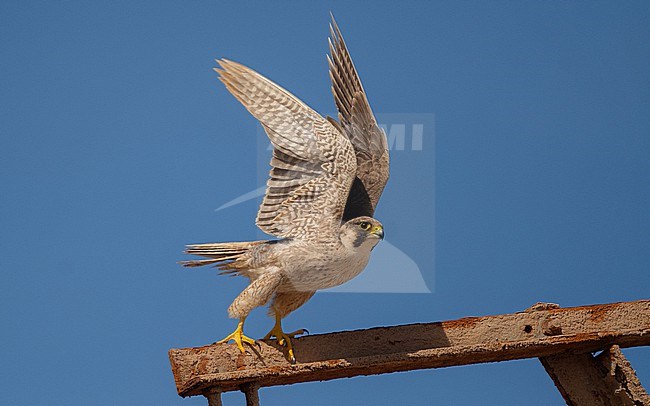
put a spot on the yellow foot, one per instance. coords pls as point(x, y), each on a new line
point(284, 339)
point(281, 336)
point(238, 337)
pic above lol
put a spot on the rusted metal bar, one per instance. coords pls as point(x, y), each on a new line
point(604, 380)
point(541, 331)
point(214, 398)
point(251, 391)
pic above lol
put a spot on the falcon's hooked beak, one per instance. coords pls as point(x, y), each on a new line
point(378, 231)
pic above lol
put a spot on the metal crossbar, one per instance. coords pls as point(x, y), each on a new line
point(563, 338)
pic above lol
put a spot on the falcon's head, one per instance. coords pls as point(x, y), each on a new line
point(362, 232)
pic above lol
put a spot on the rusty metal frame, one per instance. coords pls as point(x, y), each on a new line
point(561, 337)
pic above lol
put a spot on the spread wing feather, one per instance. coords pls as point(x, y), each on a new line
point(360, 126)
point(313, 164)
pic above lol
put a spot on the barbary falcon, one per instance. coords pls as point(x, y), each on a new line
point(325, 181)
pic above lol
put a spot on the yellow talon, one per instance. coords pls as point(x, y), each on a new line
point(238, 337)
point(283, 338)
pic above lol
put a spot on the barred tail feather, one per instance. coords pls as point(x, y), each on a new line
point(220, 254)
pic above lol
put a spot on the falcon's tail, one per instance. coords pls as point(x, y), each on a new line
point(221, 254)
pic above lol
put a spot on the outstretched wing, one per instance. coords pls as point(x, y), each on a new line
point(313, 164)
point(360, 126)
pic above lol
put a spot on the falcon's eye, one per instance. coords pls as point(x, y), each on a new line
point(365, 226)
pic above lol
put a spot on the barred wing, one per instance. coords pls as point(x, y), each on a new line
point(360, 126)
point(313, 164)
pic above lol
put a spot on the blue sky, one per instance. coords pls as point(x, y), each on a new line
point(117, 143)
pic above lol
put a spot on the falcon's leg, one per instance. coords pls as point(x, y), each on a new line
point(283, 304)
point(238, 336)
point(256, 294)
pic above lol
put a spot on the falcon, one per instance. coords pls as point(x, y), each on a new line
point(325, 181)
